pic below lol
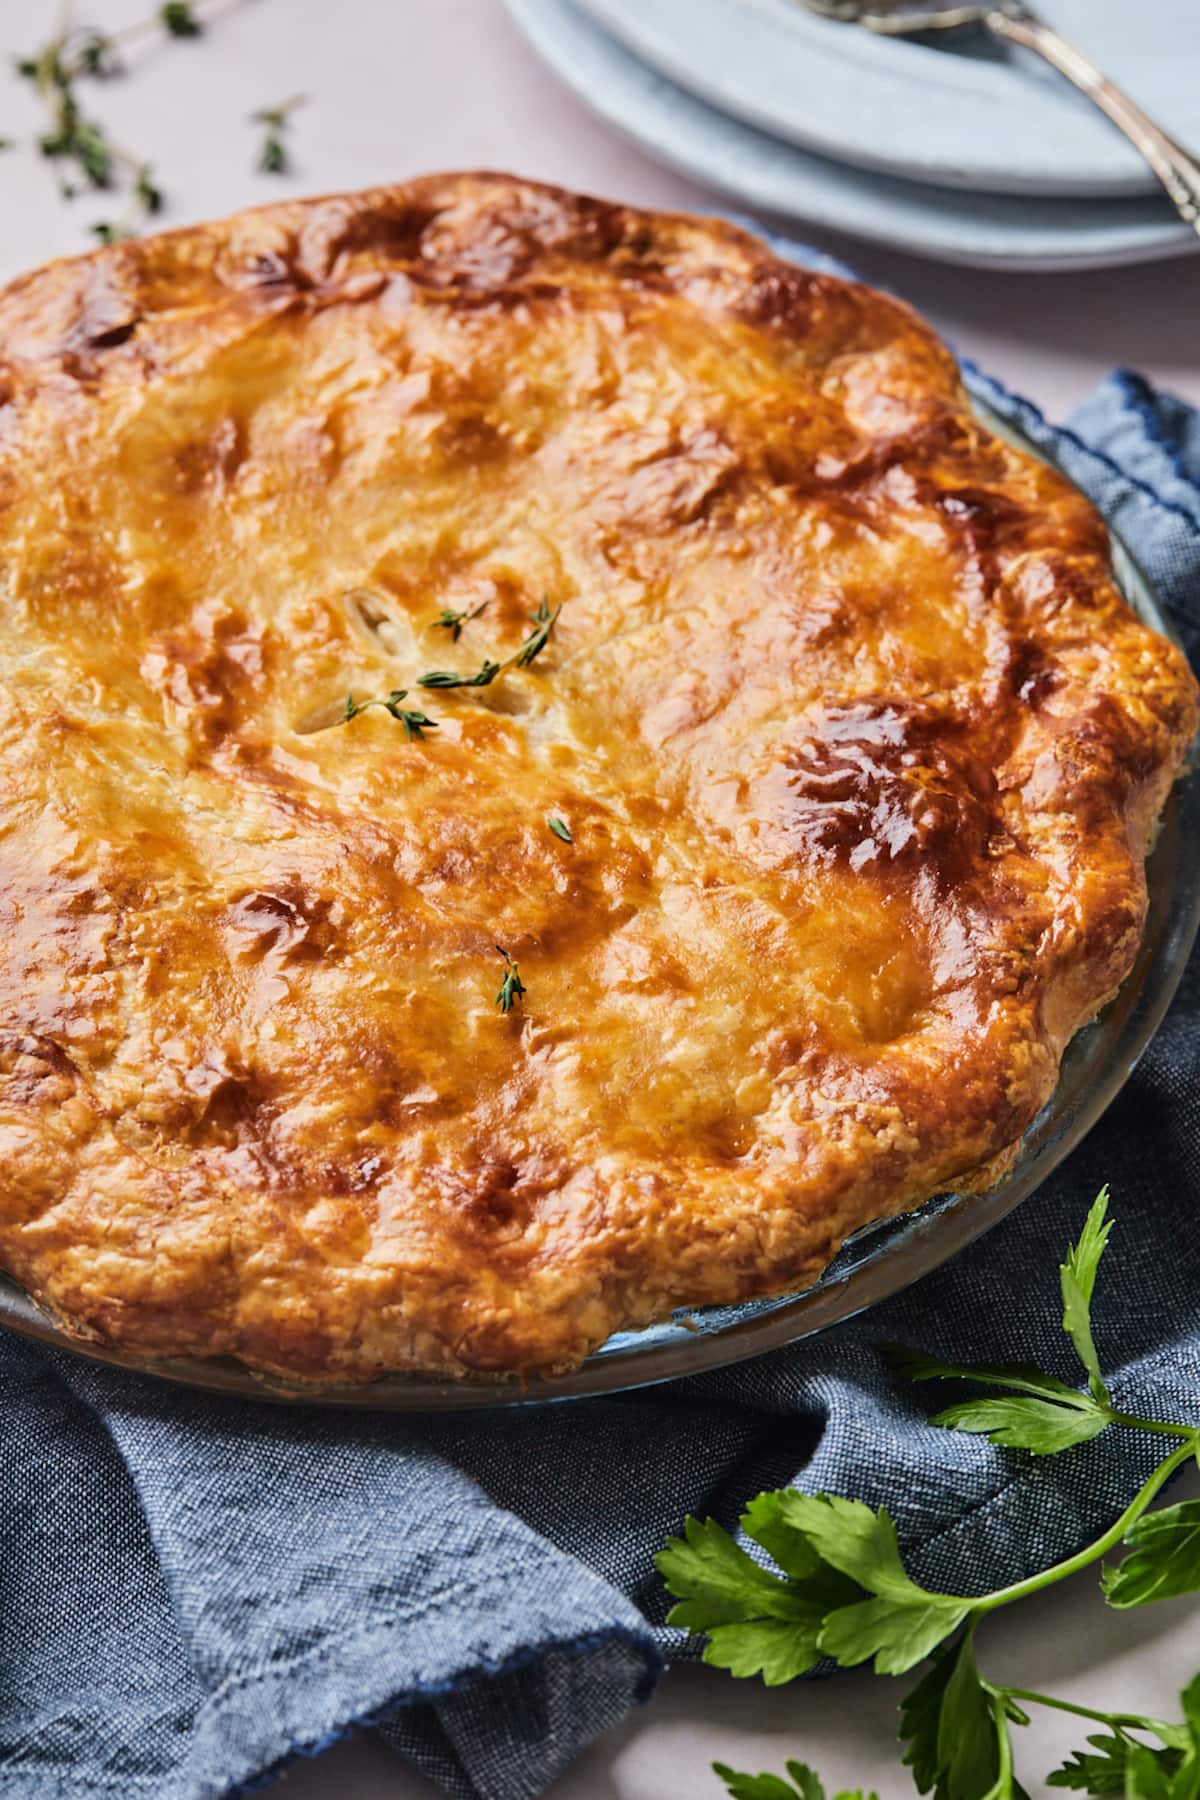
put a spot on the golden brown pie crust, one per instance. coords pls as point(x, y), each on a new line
point(857, 742)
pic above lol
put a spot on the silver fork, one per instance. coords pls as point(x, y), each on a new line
point(1017, 23)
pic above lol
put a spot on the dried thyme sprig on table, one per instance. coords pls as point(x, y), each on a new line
point(80, 144)
point(275, 120)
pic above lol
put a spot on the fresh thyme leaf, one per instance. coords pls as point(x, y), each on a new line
point(110, 231)
point(273, 155)
point(415, 724)
point(450, 678)
point(1078, 1276)
point(1039, 1426)
point(512, 987)
point(1164, 1559)
point(178, 17)
point(537, 640)
point(452, 621)
point(560, 830)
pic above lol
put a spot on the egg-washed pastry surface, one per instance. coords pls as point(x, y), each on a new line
point(851, 748)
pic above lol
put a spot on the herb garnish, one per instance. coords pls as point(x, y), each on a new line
point(836, 1586)
point(450, 620)
point(179, 18)
point(80, 143)
point(450, 678)
point(512, 987)
point(273, 155)
point(533, 646)
point(560, 830)
point(147, 200)
point(415, 724)
point(537, 640)
point(808, 1785)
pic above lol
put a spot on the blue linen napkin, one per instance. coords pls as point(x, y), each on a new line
point(192, 1591)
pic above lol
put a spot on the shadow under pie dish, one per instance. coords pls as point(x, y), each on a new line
point(851, 745)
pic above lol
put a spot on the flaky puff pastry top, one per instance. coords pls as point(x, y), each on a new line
point(857, 746)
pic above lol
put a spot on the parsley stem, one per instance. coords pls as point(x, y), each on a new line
point(1118, 1721)
point(1155, 1425)
point(1112, 1537)
point(1004, 1771)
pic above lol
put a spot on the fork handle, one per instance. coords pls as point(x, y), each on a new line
point(1176, 169)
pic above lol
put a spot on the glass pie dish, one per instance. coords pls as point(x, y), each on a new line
point(878, 1261)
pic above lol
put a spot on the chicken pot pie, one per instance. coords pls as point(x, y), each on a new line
point(775, 813)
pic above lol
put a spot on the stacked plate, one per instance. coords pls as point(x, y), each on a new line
point(955, 148)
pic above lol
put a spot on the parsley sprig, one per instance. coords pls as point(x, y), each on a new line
point(835, 1586)
point(805, 1784)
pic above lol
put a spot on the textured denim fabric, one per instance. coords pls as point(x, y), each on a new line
point(191, 1591)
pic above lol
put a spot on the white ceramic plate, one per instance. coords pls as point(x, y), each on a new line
point(960, 112)
point(984, 230)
